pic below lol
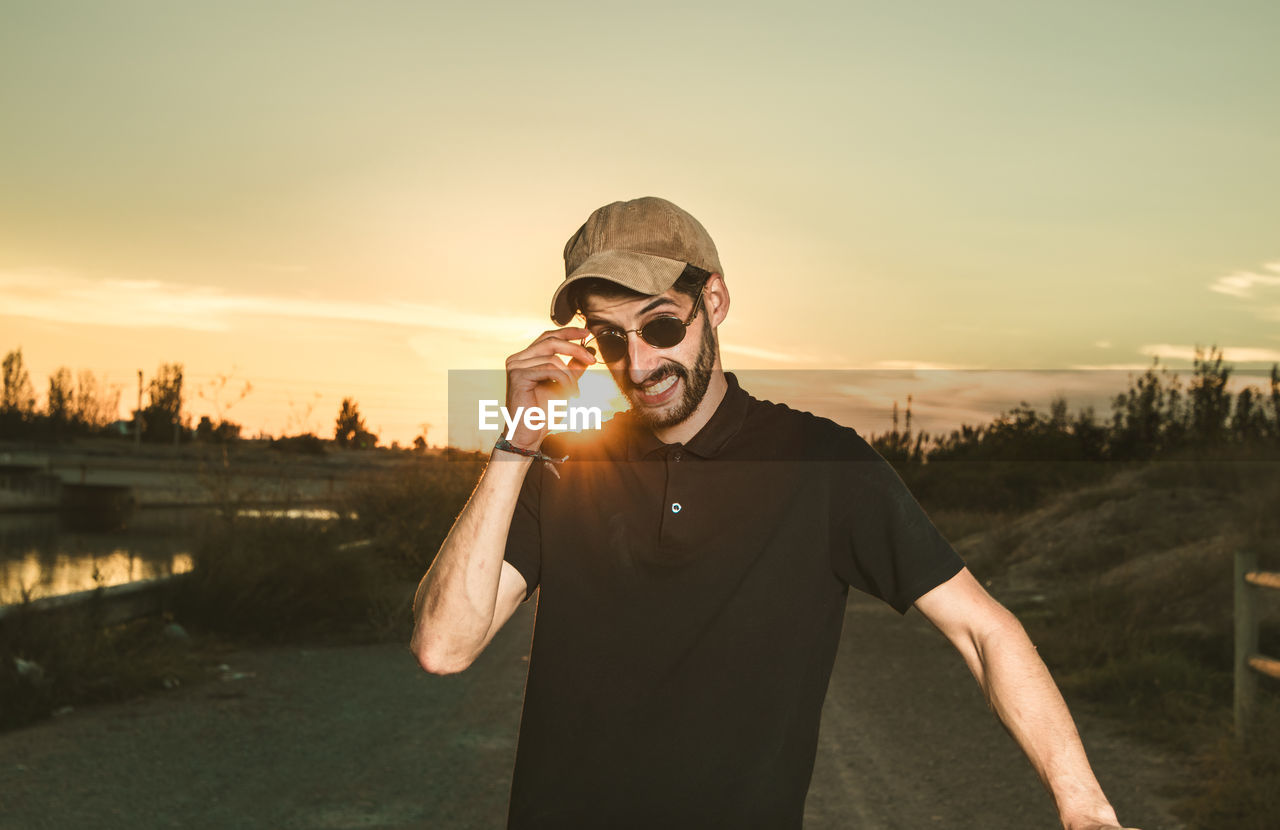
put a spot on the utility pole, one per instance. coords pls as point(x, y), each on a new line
point(137, 417)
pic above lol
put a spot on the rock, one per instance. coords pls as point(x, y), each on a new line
point(239, 675)
point(29, 669)
point(175, 632)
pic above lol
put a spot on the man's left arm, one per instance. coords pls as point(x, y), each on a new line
point(1021, 692)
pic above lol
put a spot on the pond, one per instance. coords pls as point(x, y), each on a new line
point(44, 555)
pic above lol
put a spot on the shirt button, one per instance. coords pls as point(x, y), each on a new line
point(675, 507)
point(678, 455)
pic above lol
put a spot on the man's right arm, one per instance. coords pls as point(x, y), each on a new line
point(470, 590)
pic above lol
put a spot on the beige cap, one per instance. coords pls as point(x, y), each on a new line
point(643, 244)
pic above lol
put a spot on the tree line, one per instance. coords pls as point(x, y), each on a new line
point(75, 405)
point(1157, 415)
point(83, 405)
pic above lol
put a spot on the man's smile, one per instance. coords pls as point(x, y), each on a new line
point(658, 392)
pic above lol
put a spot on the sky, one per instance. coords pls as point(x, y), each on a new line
point(330, 199)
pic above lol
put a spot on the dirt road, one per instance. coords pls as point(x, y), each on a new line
point(359, 737)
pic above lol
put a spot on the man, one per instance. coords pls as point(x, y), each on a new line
point(694, 558)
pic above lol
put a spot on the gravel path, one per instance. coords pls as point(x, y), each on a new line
point(349, 737)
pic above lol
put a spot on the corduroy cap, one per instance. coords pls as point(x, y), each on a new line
point(643, 244)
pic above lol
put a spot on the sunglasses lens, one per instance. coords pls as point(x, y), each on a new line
point(664, 332)
point(613, 346)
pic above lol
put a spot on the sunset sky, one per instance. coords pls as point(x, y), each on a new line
point(331, 199)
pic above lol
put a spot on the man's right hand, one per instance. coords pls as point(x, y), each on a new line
point(536, 375)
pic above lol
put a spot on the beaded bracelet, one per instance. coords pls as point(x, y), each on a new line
point(507, 446)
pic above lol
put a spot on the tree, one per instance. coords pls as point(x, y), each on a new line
point(162, 416)
point(1140, 415)
point(19, 396)
point(1210, 400)
point(1275, 401)
point(899, 447)
point(94, 405)
point(349, 429)
point(19, 401)
point(225, 432)
point(1249, 420)
point(59, 406)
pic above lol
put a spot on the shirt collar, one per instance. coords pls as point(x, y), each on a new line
point(710, 440)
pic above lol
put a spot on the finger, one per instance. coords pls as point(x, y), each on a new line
point(565, 385)
point(553, 376)
point(549, 371)
point(564, 346)
point(577, 369)
point(566, 333)
point(516, 364)
point(556, 345)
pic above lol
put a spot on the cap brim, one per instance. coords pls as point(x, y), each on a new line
point(645, 273)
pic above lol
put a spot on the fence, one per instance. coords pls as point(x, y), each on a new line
point(1249, 663)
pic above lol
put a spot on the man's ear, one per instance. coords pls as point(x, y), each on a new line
point(716, 299)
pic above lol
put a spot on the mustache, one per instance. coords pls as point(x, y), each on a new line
point(659, 374)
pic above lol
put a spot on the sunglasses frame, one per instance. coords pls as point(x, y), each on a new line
point(697, 303)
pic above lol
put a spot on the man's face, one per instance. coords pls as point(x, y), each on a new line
point(664, 386)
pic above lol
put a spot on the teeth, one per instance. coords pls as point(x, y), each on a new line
point(660, 387)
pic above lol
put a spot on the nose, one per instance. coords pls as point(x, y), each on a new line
point(642, 358)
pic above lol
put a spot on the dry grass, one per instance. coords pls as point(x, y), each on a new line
point(1237, 782)
point(81, 662)
point(1126, 587)
point(271, 580)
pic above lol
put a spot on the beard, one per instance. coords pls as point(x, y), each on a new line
point(693, 381)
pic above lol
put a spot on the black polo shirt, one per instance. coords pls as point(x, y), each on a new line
point(691, 601)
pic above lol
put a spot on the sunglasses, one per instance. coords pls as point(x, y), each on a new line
point(660, 332)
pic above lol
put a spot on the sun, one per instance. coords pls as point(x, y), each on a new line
point(596, 389)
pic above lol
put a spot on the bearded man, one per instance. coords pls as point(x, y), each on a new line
point(693, 560)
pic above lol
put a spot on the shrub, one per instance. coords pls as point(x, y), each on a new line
point(276, 579)
point(407, 511)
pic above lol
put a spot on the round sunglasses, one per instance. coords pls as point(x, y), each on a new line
point(660, 332)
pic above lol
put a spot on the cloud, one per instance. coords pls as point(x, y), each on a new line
point(1231, 354)
point(766, 354)
point(282, 267)
point(1102, 344)
point(65, 298)
point(942, 399)
point(921, 365)
point(1243, 284)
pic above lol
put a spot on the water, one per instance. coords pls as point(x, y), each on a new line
point(40, 553)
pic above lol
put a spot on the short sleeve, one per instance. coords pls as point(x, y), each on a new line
point(524, 537)
point(883, 543)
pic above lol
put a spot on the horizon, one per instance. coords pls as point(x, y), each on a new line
point(933, 402)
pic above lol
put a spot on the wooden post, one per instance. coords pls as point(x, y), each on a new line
point(1246, 614)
